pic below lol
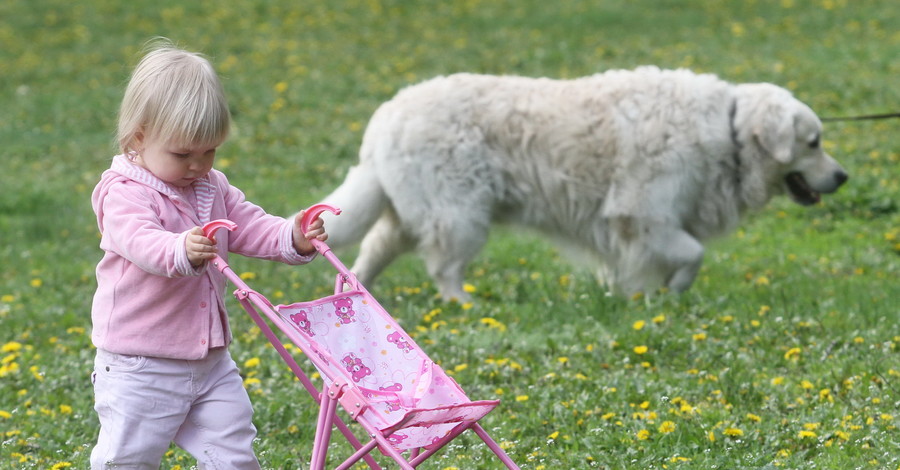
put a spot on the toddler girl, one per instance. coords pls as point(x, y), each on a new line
point(163, 372)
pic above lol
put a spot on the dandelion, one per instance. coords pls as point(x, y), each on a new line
point(640, 350)
point(521, 398)
point(37, 282)
point(666, 427)
point(806, 385)
point(11, 346)
point(252, 362)
point(733, 432)
point(247, 275)
point(806, 434)
point(699, 336)
point(753, 417)
point(659, 319)
point(553, 435)
point(793, 353)
point(643, 435)
point(65, 409)
point(61, 465)
point(7, 298)
point(469, 288)
point(493, 323)
point(5, 414)
point(638, 325)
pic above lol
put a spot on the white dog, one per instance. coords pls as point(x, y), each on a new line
point(635, 168)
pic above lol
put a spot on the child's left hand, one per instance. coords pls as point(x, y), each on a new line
point(315, 230)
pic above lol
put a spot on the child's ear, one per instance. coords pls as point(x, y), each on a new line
point(139, 139)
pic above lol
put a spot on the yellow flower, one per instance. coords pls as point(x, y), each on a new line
point(521, 398)
point(659, 319)
point(806, 435)
point(753, 417)
point(793, 353)
point(252, 362)
point(469, 288)
point(65, 409)
point(638, 325)
point(36, 282)
point(640, 349)
point(12, 346)
point(5, 414)
point(554, 435)
point(643, 435)
point(733, 432)
point(247, 275)
point(7, 298)
point(666, 427)
point(699, 336)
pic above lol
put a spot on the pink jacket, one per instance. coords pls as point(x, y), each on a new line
point(150, 301)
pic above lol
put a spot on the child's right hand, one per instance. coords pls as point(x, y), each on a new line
point(199, 248)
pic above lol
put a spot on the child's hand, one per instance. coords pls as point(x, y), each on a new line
point(315, 230)
point(199, 248)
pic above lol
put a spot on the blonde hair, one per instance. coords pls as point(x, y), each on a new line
point(174, 95)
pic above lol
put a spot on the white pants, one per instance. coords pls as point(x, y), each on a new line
point(146, 403)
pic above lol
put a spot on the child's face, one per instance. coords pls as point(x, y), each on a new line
point(176, 165)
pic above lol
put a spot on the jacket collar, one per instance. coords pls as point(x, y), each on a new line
point(203, 188)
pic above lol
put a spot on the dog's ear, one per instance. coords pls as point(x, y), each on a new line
point(775, 132)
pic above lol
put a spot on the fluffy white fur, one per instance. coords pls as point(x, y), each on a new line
point(634, 168)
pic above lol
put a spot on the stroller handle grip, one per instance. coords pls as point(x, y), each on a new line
point(313, 212)
point(209, 230)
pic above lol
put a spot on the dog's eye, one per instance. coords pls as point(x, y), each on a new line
point(815, 142)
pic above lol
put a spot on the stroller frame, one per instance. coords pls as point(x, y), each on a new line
point(339, 388)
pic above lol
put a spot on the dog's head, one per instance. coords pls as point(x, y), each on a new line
point(788, 134)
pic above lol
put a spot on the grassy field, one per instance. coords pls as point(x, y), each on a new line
point(784, 353)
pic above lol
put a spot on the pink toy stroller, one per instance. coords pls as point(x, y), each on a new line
point(404, 402)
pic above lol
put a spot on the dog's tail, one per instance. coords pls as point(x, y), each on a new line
point(361, 200)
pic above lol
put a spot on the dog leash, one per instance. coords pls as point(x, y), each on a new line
point(864, 117)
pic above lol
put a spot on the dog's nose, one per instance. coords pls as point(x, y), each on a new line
point(841, 177)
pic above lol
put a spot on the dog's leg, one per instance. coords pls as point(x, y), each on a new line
point(683, 255)
point(384, 242)
point(655, 256)
point(447, 255)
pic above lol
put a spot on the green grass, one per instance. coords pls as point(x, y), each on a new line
point(783, 354)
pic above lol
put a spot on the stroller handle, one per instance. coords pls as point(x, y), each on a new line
point(313, 212)
point(209, 230)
